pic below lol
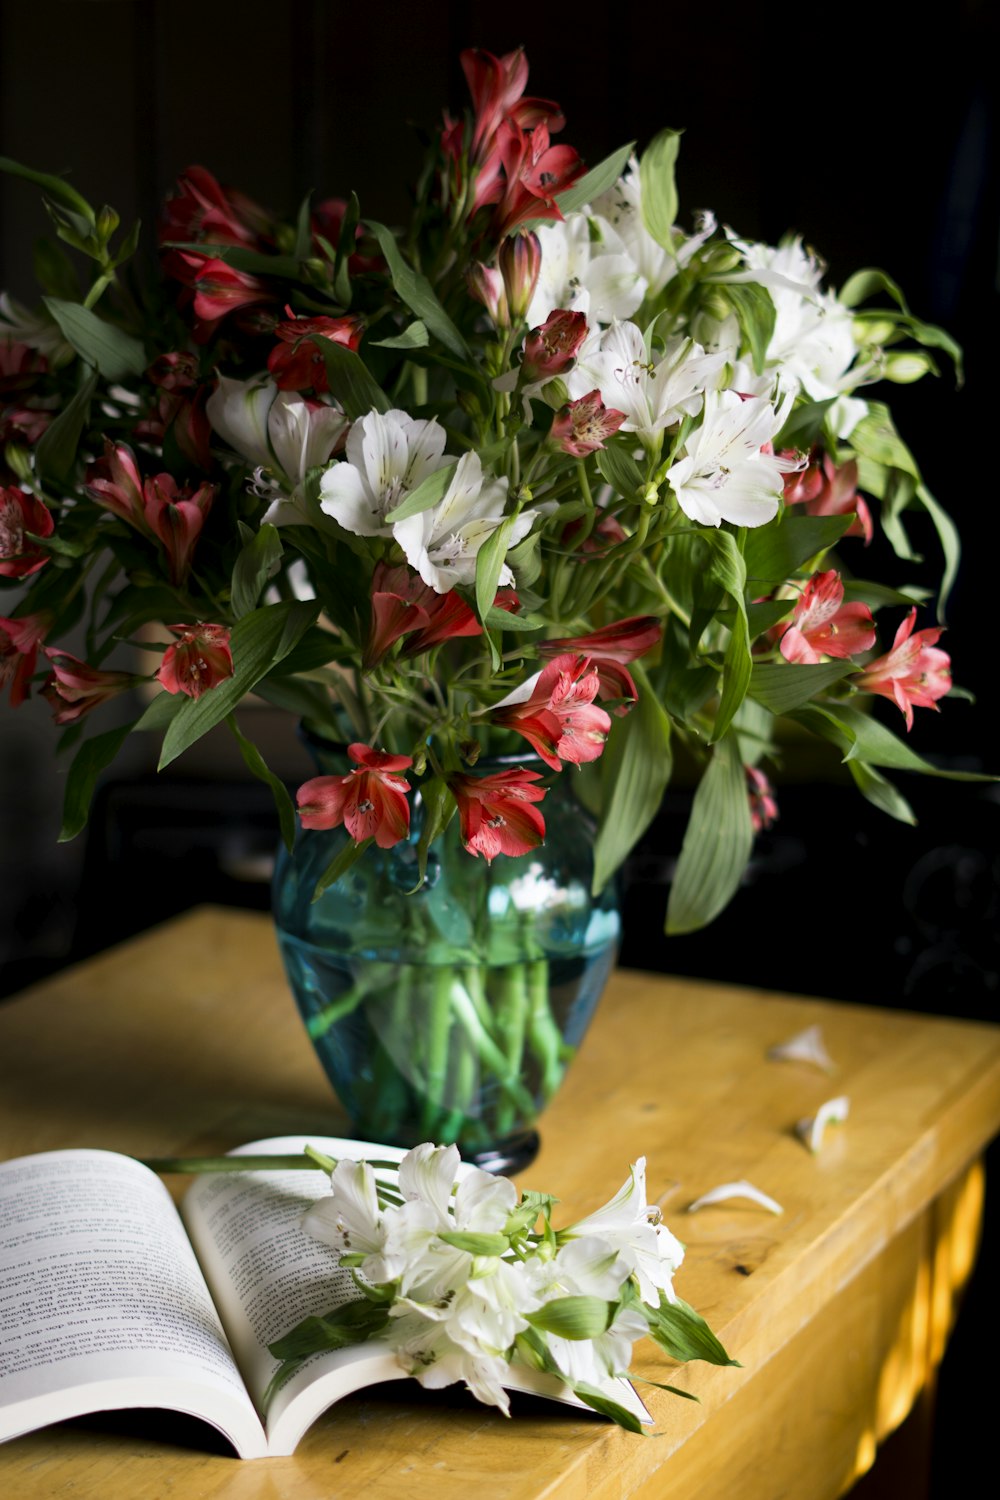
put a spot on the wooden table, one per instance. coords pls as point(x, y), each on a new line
point(185, 1041)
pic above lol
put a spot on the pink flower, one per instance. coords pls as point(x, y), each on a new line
point(486, 285)
point(402, 604)
point(19, 642)
point(608, 649)
point(763, 807)
point(76, 688)
point(555, 712)
point(200, 660)
point(21, 517)
point(370, 801)
point(496, 85)
point(186, 417)
point(496, 812)
point(295, 363)
point(23, 424)
point(582, 426)
point(20, 366)
point(523, 175)
point(914, 672)
point(551, 349)
point(176, 371)
point(824, 490)
point(114, 481)
point(176, 517)
point(823, 625)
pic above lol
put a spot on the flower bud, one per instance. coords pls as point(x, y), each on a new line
point(487, 286)
point(520, 260)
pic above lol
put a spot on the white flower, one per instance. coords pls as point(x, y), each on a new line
point(387, 456)
point(631, 1227)
point(281, 434)
point(428, 1173)
point(426, 1351)
point(442, 543)
point(652, 395)
point(582, 274)
point(722, 473)
point(621, 208)
point(602, 1360)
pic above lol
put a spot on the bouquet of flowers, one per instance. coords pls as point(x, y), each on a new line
point(550, 469)
point(467, 1280)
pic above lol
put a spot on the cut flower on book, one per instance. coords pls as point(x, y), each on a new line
point(554, 467)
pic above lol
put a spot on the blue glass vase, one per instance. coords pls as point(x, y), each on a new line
point(449, 1010)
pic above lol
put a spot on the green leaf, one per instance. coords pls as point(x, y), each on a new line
point(476, 1244)
point(286, 267)
point(418, 294)
point(804, 425)
point(431, 491)
point(346, 242)
point(875, 437)
point(755, 313)
point(303, 228)
point(620, 469)
point(574, 1317)
point(114, 353)
point(256, 564)
point(773, 552)
point(257, 766)
point(717, 843)
point(88, 763)
point(439, 807)
point(525, 560)
point(339, 865)
point(258, 641)
point(659, 189)
point(762, 614)
point(635, 770)
point(54, 186)
point(595, 182)
point(862, 738)
point(489, 565)
point(505, 619)
point(414, 337)
point(601, 1402)
point(55, 453)
point(728, 569)
point(352, 1323)
point(782, 687)
point(54, 271)
point(880, 792)
point(674, 1390)
point(949, 539)
point(350, 380)
point(683, 1333)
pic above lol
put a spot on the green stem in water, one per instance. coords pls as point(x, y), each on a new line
point(546, 1040)
point(444, 981)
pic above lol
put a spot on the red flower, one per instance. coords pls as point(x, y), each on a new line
point(186, 417)
point(75, 688)
point(19, 367)
point(608, 649)
point(21, 517)
point(496, 85)
point(914, 672)
point(328, 221)
point(200, 209)
point(370, 801)
point(533, 174)
point(295, 363)
point(555, 712)
point(200, 660)
point(551, 349)
point(825, 490)
point(496, 812)
point(114, 481)
point(582, 426)
point(176, 517)
point(217, 288)
point(403, 605)
point(23, 424)
point(177, 371)
point(823, 625)
point(19, 642)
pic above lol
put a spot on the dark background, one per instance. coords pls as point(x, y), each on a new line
point(873, 136)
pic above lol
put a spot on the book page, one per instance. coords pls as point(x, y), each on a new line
point(266, 1274)
point(102, 1302)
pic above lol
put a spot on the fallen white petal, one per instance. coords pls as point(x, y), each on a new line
point(806, 1046)
point(735, 1190)
point(833, 1112)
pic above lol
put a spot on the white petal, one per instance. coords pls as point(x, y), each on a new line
point(346, 497)
point(833, 1112)
point(238, 411)
point(728, 1190)
point(805, 1046)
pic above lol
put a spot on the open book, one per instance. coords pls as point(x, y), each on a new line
point(111, 1298)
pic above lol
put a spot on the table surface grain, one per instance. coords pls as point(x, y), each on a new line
point(185, 1041)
